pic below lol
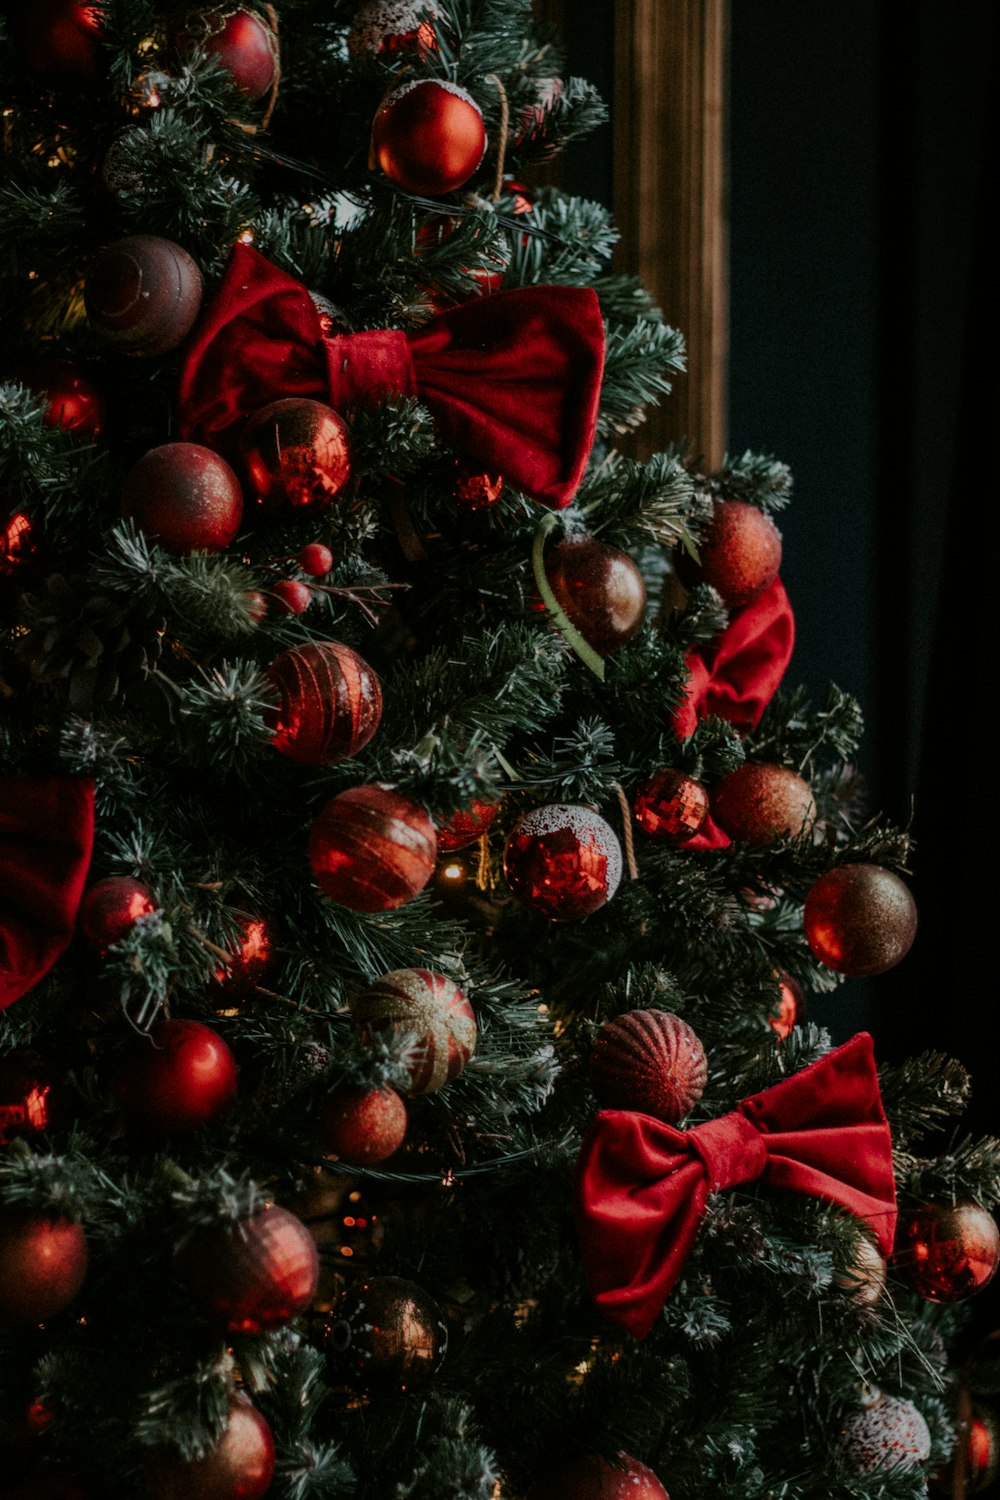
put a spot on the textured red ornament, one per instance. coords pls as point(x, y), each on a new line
point(475, 489)
point(429, 1008)
point(946, 1251)
point(593, 1478)
point(249, 962)
point(372, 849)
point(181, 1076)
point(330, 703)
point(296, 452)
point(389, 29)
point(740, 553)
point(756, 804)
point(255, 1275)
point(239, 1467)
point(185, 497)
point(43, 1264)
point(74, 402)
point(26, 1106)
point(671, 806)
point(386, 1334)
point(143, 294)
point(240, 40)
point(464, 828)
point(110, 908)
point(650, 1060)
point(791, 1006)
point(16, 543)
point(315, 559)
point(59, 40)
point(563, 861)
point(600, 589)
point(860, 919)
point(290, 597)
point(362, 1126)
point(889, 1434)
point(428, 136)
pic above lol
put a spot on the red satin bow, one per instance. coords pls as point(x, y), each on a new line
point(643, 1184)
point(513, 380)
point(46, 837)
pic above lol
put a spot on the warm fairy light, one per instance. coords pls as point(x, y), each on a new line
point(543, 1009)
point(448, 1179)
point(453, 872)
point(148, 44)
point(245, 236)
point(354, 1197)
point(153, 98)
point(346, 1250)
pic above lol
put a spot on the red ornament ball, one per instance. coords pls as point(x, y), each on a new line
point(248, 963)
point(43, 1264)
point(372, 849)
point(362, 1126)
point(330, 703)
point(649, 1060)
point(185, 497)
point(241, 40)
point(16, 543)
point(860, 919)
point(791, 1010)
point(296, 452)
point(740, 553)
point(73, 402)
point(475, 489)
point(315, 559)
point(889, 1434)
point(389, 29)
point(143, 294)
point(464, 828)
point(429, 1008)
point(59, 40)
point(671, 806)
point(428, 136)
point(26, 1102)
point(756, 804)
point(979, 1435)
point(946, 1251)
point(563, 861)
point(240, 1465)
point(179, 1077)
point(291, 597)
point(110, 909)
point(591, 1478)
point(600, 589)
point(256, 1275)
point(386, 1334)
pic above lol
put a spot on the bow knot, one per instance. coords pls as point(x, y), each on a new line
point(732, 1149)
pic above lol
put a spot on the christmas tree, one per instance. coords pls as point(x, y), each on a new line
point(415, 868)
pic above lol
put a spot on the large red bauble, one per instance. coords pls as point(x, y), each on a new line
point(650, 1060)
point(59, 40)
point(372, 849)
point(143, 294)
point(593, 1478)
point(432, 1010)
point(740, 553)
point(255, 1275)
point(428, 136)
point(239, 1467)
point(241, 40)
point(181, 1076)
point(330, 703)
point(43, 1264)
point(562, 861)
point(74, 402)
point(946, 1251)
point(671, 806)
point(386, 1334)
point(362, 1126)
point(185, 497)
point(296, 452)
point(889, 1434)
point(860, 919)
point(756, 804)
point(110, 908)
point(600, 589)
point(464, 828)
point(394, 28)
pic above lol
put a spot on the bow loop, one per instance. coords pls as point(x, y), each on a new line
point(732, 1149)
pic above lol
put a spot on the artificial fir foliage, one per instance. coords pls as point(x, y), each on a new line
point(349, 864)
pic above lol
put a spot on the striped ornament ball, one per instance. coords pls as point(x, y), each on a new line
point(330, 703)
point(371, 848)
point(433, 1011)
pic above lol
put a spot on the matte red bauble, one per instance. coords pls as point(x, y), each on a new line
point(464, 828)
point(372, 849)
point(296, 452)
point(239, 39)
point(389, 29)
point(110, 908)
point(330, 703)
point(386, 1334)
point(671, 806)
point(740, 553)
point(791, 1006)
point(181, 1076)
point(239, 1467)
point(256, 1275)
point(428, 136)
point(756, 804)
point(945, 1251)
point(430, 1009)
point(74, 402)
point(315, 559)
point(593, 1478)
point(142, 294)
point(16, 543)
point(290, 597)
point(26, 1106)
point(248, 963)
point(185, 497)
point(562, 861)
point(649, 1060)
point(888, 1434)
point(601, 591)
point(59, 40)
point(860, 919)
point(43, 1264)
point(362, 1126)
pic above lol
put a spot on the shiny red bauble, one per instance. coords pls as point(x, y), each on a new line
point(179, 1077)
point(329, 703)
point(362, 1126)
point(142, 295)
point(428, 136)
point(315, 559)
point(185, 497)
point(290, 597)
point(600, 589)
point(946, 1251)
point(591, 1478)
point(296, 452)
point(860, 919)
point(16, 542)
point(238, 38)
point(43, 1264)
point(257, 1274)
point(239, 1467)
point(73, 402)
point(58, 40)
point(372, 849)
point(389, 29)
point(386, 1334)
point(562, 861)
point(110, 908)
point(756, 804)
point(649, 1060)
point(464, 828)
point(432, 1012)
point(791, 1011)
point(740, 553)
point(249, 961)
point(979, 1435)
point(671, 806)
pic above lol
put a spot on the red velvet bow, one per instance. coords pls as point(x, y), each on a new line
point(46, 837)
point(643, 1184)
point(513, 380)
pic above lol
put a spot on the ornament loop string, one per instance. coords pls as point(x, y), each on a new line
point(504, 128)
point(626, 811)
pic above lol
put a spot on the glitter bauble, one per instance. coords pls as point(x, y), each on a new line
point(142, 295)
point(179, 1077)
point(649, 1060)
point(296, 452)
point(43, 1264)
point(256, 1275)
point(591, 1478)
point(888, 1434)
point(432, 1013)
point(464, 828)
point(240, 40)
point(362, 1126)
point(563, 861)
point(59, 41)
point(240, 1465)
point(671, 806)
point(384, 1335)
point(26, 1098)
point(72, 401)
point(428, 136)
point(372, 849)
point(860, 919)
point(946, 1251)
point(863, 1280)
point(740, 553)
point(110, 909)
point(389, 29)
point(330, 703)
point(791, 1011)
point(248, 962)
point(756, 804)
point(601, 591)
point(185, 497)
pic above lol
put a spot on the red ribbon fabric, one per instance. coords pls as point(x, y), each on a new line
point(46, 838)
point(513, 381)
point(643, 1185)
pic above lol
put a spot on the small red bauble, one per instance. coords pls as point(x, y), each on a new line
point(26, 1107)
point(241, 40)
point(860, 919)
point(946, 1251)
point(476, 489)
point(386, 1334)
point(110, 908)
point(143, 294)
point(249, 962)
point(372, 849)
point(330, 703)
point(296, 452)
point(888, 1434)
point(464, 828)
point(239, 1467)
point(185, 497)
point(649, 1060)
point(16, 543)
point(428, 136)
point(593, 1478)
point(791, 1006)
point(291, 597)
point(181, 1076)
point(431, 1009)
point(315, 559)
point(74, 402)
point(671, 806)
point(756, 804)
point(362, 1126)
point(740, 553)
point(601, 591)
point(43, 1264)
point(563, 861)
point(389, 29)
point(255, 1275)
point(59, 40)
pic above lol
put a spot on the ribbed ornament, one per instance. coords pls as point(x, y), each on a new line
point(428, 1007)
point(649, 1060)
point(331, 703)
point(371, 848)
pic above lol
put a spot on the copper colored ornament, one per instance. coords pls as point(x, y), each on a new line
point(16, 543)
point(256, 1275)
point(464, 828)
point(296, 452)
point(142, 294)
point(386, 1334)
point(476, 489)
point(372, 849)
point(428, 136)
point(979, 1435)
point(649, 1060)
point(330, 703)
point(671, 806)
point(362, 1126)
point(110, 909)
point(43, 1264)
point(73, 402)
point(860, 919)
point(59, 41)
point(740, 553)
point(391, 29)
point(563, 861)
point(756, 804)
point(248, 963)
point(946, 1251)
point(591, 1478)
point(240, 1465)
point(791, 1010)
point(179, 1077)
point(26, 1101)
point(601, 591)
point(864, 1279)
point(240, 40)
point(185, 497)
point(431, 1010)
point(888, 1434)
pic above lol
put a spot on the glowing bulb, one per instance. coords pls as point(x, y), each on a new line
point(453, 872)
